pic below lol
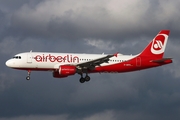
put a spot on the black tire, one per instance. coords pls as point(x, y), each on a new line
point(87, 78)
point(28, 78)
point(82, 80)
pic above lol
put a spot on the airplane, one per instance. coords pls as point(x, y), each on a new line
point(66, 64)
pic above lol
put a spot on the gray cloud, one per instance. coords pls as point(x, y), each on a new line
point(110, 20)
point(88, 27)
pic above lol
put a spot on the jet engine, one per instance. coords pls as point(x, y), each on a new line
point(65, 71)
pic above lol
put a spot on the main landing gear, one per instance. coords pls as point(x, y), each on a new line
point(84, 79)
point(28, 76)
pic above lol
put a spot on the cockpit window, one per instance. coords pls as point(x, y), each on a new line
point(17, 57)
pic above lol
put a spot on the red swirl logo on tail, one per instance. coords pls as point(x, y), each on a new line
point(158, 45)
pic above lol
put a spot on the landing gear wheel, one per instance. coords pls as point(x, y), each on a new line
point(81, 80)
point(87, 78)
point(28, 78)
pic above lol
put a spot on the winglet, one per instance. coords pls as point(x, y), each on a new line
point(116, 54)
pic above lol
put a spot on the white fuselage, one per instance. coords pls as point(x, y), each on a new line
point(51, 61)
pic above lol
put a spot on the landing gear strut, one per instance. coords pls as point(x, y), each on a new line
point(28, 76)
point(84, 79)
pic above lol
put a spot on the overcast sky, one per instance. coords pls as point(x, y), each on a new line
point(89, 26)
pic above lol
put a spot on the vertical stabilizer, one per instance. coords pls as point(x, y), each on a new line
point(157, 46)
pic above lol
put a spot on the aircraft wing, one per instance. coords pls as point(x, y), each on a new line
point(96, 62)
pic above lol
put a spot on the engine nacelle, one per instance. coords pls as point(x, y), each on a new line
point(57, 75)
point(65, 71)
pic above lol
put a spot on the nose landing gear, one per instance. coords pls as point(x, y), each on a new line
point(28, 76)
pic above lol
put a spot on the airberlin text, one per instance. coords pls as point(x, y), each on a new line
point(52, 58)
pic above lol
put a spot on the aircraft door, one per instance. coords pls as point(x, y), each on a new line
point(138, 61)
point(29, 58)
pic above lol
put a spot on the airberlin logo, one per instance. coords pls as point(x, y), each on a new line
point(60, 59)
point(159, 44)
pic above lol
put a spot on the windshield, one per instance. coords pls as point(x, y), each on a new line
point(17, 57)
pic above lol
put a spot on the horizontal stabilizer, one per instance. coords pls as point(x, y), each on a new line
point(163, 60)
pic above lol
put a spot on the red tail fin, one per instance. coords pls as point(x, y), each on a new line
point(157, 46)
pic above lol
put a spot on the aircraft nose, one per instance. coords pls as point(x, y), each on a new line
point(9, 63)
